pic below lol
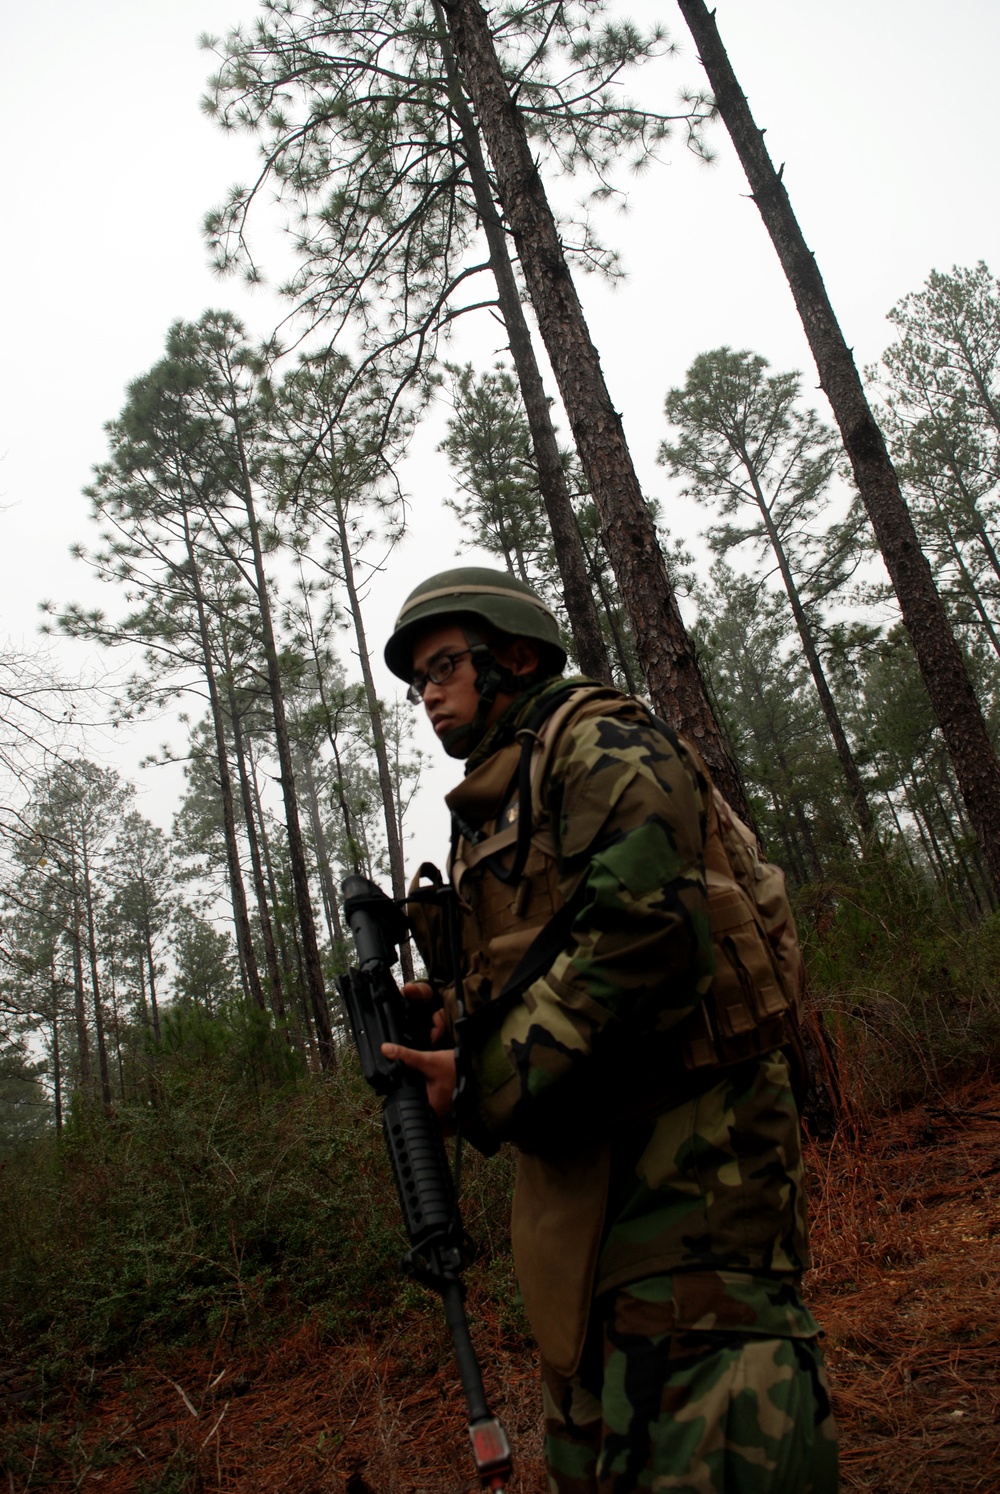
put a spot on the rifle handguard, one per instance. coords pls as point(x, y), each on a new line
point(375, 1011)
point(423, 1178)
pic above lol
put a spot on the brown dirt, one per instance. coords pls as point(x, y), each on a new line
point(906, 1238)
point(906, 1235)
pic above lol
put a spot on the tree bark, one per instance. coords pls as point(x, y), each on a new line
point(393, 840)
point(237, 891)
point(88, 903)
point(665, 651)
point(848, 766)
point(553, 488)
point(941, 663)
point(296, 846)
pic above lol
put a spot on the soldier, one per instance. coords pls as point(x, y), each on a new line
point(658, 1222)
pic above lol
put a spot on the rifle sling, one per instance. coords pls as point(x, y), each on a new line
point(541, 953)
point(511, 875)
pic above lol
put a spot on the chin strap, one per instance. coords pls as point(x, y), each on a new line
point(491, 678)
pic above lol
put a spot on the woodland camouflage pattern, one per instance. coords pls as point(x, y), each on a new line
point(626, 817)
point(714, 1183)
point(656, 1407)
point(699, 1212)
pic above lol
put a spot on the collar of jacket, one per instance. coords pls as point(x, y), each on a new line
point(506, 727)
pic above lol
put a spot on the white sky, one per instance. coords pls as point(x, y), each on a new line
point(885, 112)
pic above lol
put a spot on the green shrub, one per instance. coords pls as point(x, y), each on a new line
point(222, 1207)
point(909, 986)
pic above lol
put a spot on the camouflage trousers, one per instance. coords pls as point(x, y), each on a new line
point(693, 1412)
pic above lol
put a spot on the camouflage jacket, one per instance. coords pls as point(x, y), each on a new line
point(705, 1184)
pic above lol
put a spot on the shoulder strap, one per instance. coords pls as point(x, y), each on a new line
point(529, 738)
point(541, 953)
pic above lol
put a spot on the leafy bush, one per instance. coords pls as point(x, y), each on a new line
point(221, 1207)
point(908, 985)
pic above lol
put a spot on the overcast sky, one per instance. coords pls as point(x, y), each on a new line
point(884, 111)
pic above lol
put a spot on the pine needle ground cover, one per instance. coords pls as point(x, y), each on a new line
point(906, 1234)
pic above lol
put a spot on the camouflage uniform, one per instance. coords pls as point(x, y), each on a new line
point(659, 1227)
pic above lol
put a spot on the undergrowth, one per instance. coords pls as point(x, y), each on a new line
point(238, 1200)
point(908, 986)
point(221, 1212)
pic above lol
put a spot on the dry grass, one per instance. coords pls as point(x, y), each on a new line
point(363, 1418)
point(906, 1217)
point(906, 1235)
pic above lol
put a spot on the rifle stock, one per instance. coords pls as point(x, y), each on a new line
point(378, 1013)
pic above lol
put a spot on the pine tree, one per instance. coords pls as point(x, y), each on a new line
point(744, 446)
point(182, 497)
point(761, 689)
point(376, 146)
point(335, 472)
point(940, 381)
point(665, 651)
point(941, 663)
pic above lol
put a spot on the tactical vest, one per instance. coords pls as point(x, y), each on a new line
point(753, 1004)
point(512, 909)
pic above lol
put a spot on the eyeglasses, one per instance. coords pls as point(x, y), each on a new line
point(440, 670)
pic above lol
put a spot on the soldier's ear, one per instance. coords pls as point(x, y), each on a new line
point(520, 656)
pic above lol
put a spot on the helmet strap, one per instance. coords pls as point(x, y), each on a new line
point(492, 677)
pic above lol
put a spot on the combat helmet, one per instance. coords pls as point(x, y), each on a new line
point(482, 602)
point(475, 594)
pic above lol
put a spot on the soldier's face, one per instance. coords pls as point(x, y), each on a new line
point(454, 703)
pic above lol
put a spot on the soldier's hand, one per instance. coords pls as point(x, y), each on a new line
point(438, 1069)
point(422, 990)
point(418, 990)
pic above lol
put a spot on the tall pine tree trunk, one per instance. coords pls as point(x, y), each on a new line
point(553, 488)
point(79, 1004)
point(296, 846)
point(260, 892)
point(334, 925)
point(940, 658)
point(116, 1020)
point(95, 985)
point(147, 935)
point(665, 651)
point(972, 510)
point(809, 858)
point(385, 783)
point(237, 892)
point(835, 726)
point(303, 1021)
point(926, 830)
point(899, 830)
point(57, 1077)
point(968, 584)
point(595, 573)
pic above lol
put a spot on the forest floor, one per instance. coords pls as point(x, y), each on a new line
point(906, 1282)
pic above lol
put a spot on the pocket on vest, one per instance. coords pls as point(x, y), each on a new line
point(745, 988)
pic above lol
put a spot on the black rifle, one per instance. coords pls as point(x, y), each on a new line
point(378, 1014)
